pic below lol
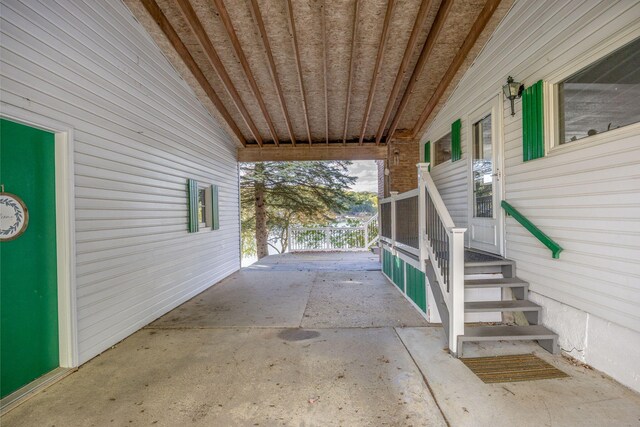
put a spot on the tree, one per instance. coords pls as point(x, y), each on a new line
point(275, 195)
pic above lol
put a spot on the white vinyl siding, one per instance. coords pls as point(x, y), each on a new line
point(139, 132)
point(587, 198)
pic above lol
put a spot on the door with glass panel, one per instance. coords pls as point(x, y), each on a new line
point(485, 213)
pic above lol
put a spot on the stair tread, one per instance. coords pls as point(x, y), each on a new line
point(505, 332)
point(495, 283)
point(489, 306)
point(497, 262)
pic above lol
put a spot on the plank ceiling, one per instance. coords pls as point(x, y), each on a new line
point(289, 73)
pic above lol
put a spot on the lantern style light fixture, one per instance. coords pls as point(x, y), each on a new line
point(512, 91)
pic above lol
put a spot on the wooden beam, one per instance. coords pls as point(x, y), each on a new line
point(237, 48)
point(376, 68)
point(476, 29)
point(292, 27)
point(257, 16)
point(432, 37)
point(325, 70)
point(197, 28)
point(412, 43)
point(333, 151)
point(354, 36)
point(163, 23)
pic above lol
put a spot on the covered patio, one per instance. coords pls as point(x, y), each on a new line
point(311, 339)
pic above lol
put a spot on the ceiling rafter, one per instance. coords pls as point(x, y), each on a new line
point(376, 68)
point(292, 28)
point(165, 26)
point(476, 29)
point(239, 52)
point(429, 44)
point(412, 43)
point(257, 16)
point(196, 27)
point(325, 70)
point(354, 37)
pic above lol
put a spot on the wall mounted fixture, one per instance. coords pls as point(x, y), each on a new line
point(512, 90)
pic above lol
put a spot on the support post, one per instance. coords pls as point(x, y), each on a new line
point(423, 169)
point(456, 309)
point(394, 195)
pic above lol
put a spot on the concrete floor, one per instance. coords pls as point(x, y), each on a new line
point(311, 340)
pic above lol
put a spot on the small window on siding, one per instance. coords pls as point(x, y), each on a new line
point(202, 206)
point(442, 150)
point(601, 97)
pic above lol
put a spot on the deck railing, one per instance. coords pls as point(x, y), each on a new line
point(417, 224)
point(307, 239)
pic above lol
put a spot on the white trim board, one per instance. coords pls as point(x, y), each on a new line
point(65, 226)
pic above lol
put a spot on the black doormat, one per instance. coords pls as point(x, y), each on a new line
point(506, 369)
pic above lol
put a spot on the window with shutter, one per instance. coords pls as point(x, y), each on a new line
point(456, 148)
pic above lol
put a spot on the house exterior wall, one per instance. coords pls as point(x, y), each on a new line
point(583, 195)
point(139, 133)
point(402, 158)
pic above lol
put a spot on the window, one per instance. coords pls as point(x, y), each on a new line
point(482, 168)
point(202, 206)
point(442, 149)
point(601, 97)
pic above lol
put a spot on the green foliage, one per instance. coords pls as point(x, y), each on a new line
point(295, 193)
point(362, 202)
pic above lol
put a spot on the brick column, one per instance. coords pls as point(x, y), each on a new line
point(402, 157)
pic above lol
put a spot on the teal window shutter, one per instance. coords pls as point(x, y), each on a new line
point(215, 212)
point(456, 149)
point(192, 192)
point(532, 123)
point(427, 153)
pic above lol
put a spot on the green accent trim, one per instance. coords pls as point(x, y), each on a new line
point(398, 272)
point(427, 152)
point(416, 289)
point(215, 212)
point(192, 194)
point(546, 240)
point(29, 339)
point(532, 122)
point(456, 147)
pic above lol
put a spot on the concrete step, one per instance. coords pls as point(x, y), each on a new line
point(546, 338)
point(493, 306)
point(513, 282)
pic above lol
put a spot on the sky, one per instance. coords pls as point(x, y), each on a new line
point(367, 173)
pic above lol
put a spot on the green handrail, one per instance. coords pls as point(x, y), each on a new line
point(546, 240)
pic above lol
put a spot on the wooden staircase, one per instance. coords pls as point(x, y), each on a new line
point(478, 264)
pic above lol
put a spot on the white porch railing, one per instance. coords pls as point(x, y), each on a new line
point(334, 238)
point(417, 222)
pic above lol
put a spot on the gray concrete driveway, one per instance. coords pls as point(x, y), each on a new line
point(310, 340)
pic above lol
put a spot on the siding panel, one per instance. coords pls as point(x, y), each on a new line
point(586, 198)
point(140, 132)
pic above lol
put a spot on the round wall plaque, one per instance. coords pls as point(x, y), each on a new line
point(14, 216)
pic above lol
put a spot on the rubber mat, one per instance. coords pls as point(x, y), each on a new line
point(506, 369)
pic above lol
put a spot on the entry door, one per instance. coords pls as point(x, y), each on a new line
point(485, 213)
point(28, 267)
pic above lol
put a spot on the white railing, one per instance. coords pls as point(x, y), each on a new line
point(307, 239)
point(417, 222)
point(442, 245)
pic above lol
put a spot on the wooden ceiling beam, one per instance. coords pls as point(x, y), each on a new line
point(292, 28)
point(339, 151)
point(376, 68)
point(239, 52)
point(354, 37)
point(257, 16)
point(412, 43)
point(165, 26)
point(429, 44)
point(204, 40)
point(325, 70)
point(476, 29)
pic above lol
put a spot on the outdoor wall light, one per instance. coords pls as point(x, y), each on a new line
point(512, 90)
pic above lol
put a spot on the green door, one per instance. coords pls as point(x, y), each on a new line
point(28, 270)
